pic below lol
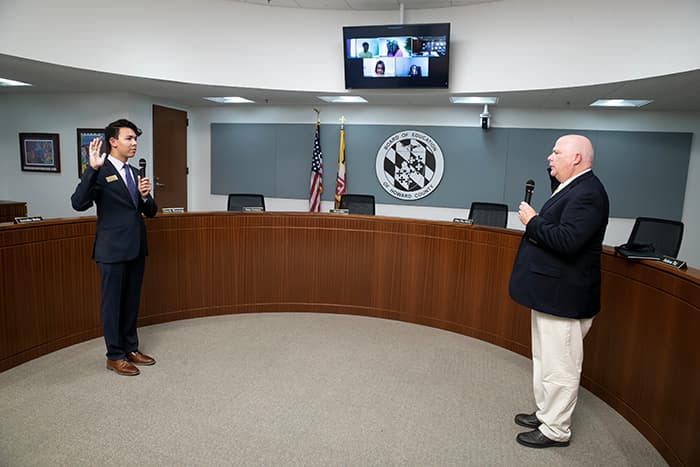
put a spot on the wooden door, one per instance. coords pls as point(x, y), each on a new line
point(170, 157)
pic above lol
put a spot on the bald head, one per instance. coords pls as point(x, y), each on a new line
point(581, 145)
point(571, 155)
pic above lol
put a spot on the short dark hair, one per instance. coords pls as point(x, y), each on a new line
point(112, 130)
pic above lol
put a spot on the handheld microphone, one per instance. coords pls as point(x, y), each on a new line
point(142, 167)
point(529, 188)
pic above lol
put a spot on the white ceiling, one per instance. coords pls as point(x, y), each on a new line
point(365, 4)
point(677, 92)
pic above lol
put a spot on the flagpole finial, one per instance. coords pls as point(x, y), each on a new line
point(342, 120)
point(318, 115)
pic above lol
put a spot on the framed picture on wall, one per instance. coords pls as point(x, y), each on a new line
point(40, 152)
point(85, 135)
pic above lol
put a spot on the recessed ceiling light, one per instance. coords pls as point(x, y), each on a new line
point(473, 100)
point(230, 100)
point(10, 82)
point(343, 99)
point(621, 102)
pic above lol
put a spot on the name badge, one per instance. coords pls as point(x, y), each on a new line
point(111, 178)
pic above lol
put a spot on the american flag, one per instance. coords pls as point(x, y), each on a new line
point(316, 186)
point(340, 180)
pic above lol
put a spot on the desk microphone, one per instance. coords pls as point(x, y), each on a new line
point(142, 168)
point(529, 188)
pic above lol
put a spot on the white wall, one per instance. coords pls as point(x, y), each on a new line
point(506, 45)
point(48, 195)
point(618, 230)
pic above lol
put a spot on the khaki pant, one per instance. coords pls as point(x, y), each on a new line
point(557, 357)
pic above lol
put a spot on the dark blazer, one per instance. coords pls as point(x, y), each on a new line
point(557, 267)
point(120, 234)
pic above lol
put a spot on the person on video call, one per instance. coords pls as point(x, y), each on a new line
point(379, 68)
point(428, 50)
point(557, 275)
point(122, 197)
point(365, 51)
point(414, 71)
point(393, 49)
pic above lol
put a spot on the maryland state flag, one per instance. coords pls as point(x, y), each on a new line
point(340, 180)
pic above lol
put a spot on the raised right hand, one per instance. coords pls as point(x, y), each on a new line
point(97, 160)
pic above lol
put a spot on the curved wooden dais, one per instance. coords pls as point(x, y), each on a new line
point(641, 355)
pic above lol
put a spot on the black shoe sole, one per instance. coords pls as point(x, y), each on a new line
point(121, 373)
point(142, 364)
point(553, 444)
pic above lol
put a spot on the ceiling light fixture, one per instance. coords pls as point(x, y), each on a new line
point(10, 82)
point(473, 100)
point(230, 100)
point(343, 99)
point(621, 102)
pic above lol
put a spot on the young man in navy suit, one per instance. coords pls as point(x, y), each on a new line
point(557, 275)
point(122, 197)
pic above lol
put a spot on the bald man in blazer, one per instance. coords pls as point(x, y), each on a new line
point(122, 197)
point(557, 275)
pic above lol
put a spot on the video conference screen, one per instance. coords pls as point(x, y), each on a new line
point(397, 56)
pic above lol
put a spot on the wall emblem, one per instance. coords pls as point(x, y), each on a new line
point(409, 165)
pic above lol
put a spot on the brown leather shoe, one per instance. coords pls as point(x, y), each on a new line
point(137, 358)
point(122, 367)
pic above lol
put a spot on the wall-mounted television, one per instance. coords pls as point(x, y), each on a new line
point(397, 56)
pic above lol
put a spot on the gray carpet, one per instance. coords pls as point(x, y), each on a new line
point(294, 389)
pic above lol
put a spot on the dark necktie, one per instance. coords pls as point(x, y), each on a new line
point(131, 185)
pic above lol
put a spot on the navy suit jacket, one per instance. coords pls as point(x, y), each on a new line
point(557, 267)
point(120, 234)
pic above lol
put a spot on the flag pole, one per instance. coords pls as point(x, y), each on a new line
point(340, 179)
point(316, 183)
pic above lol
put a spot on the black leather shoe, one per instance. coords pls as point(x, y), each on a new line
point(535, 439)
point(527, 420)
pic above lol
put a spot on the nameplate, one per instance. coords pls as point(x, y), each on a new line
point(676, 263)
point(461, 220)
point(172, 210)
point(339, 211)
point(27, 220)
point(253, 209)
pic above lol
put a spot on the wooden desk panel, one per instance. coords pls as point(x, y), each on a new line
point(640, 353)
point(642, 357)
point(11, 209)
point(50, 288)
point(393, 268)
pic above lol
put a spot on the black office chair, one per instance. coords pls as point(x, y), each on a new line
point(358, 204)
point(492, 214)
point(662, 235)
point(241, 201)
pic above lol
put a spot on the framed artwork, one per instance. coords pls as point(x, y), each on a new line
point(40, 152)
point(85, 135)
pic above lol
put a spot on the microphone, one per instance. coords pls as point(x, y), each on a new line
point(529, 188)
point(142, 168)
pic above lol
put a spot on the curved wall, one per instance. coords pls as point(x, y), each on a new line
point(641, 355)
point(496, 46)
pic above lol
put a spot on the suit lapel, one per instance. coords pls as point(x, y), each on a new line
point(112, 170)
point(564, 192)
